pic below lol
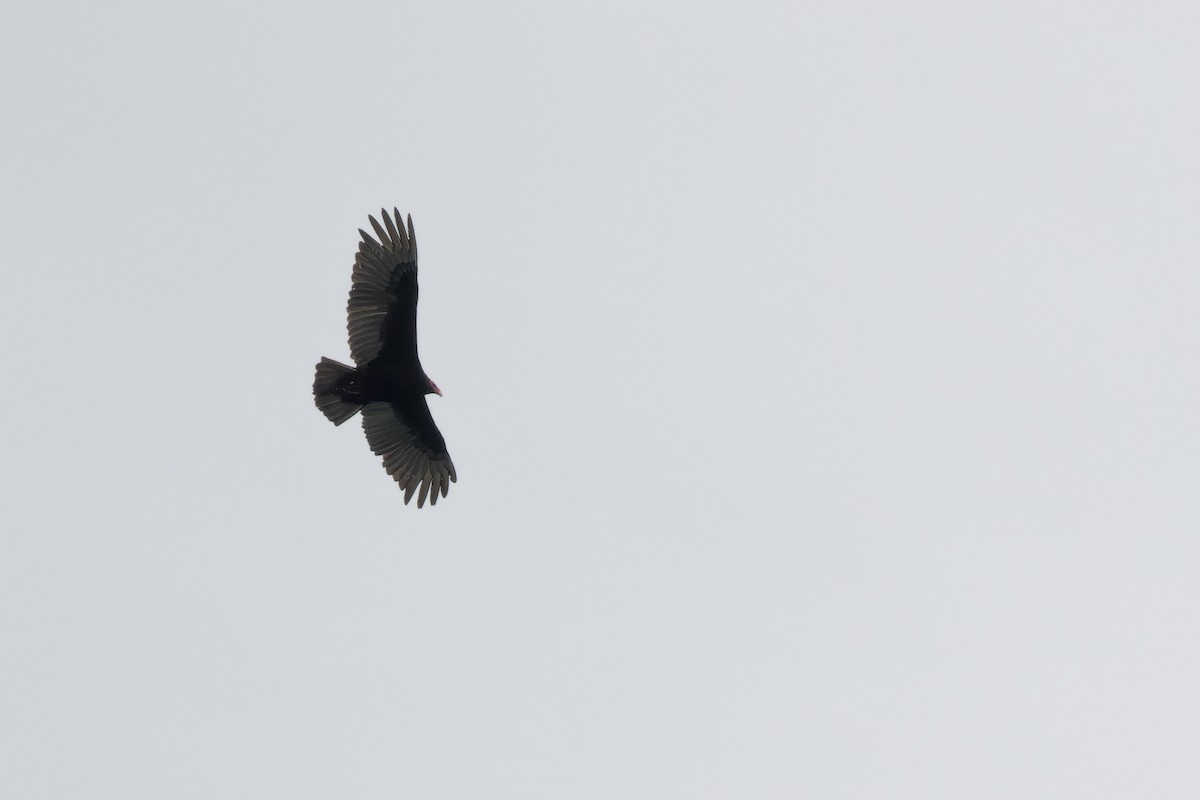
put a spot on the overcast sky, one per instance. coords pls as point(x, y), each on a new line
point(821, 379)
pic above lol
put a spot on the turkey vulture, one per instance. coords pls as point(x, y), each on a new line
point(387, 384)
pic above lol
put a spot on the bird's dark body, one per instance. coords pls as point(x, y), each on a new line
point(388, 385)
point(381, 382)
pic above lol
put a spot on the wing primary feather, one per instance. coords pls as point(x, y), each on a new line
point(412, 238)
point(383, 237)
point(404, 239)
point(404, 466)
point(397, 243)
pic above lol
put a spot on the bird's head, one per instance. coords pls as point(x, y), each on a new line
point(432, 388)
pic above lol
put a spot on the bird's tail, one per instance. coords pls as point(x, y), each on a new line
point(335, 390)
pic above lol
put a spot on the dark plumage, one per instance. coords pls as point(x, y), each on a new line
point(388, 385)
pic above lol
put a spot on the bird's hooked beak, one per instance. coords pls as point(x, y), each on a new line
point(433, 387)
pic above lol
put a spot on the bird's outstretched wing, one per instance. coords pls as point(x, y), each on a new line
point(413, 450)
point(383, 291)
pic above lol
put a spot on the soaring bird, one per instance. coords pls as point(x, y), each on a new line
point(388, 384)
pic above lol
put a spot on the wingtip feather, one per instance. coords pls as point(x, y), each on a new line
point(383, 237)
point(397, 239)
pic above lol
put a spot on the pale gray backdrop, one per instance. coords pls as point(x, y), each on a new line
point(822, 381)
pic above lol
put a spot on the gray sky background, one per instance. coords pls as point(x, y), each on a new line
point(822, 382)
